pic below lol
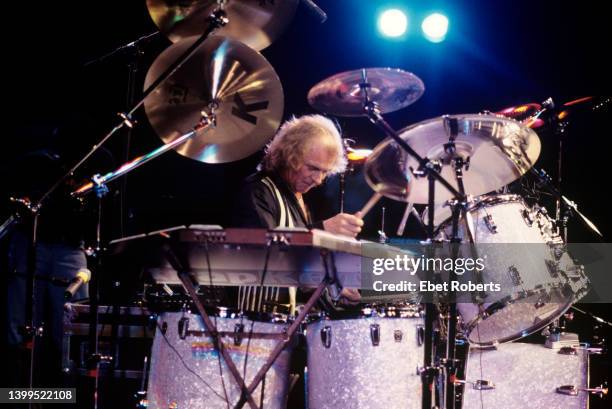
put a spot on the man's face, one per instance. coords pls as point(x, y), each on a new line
point(317, 164)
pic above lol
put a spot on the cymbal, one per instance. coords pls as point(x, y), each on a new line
point(235, 80)
point(391, 89)
point(255, 23)
point(499, 151)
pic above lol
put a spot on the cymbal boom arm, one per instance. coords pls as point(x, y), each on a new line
point(206, 121)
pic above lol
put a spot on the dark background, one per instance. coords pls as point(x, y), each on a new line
point(497, 54)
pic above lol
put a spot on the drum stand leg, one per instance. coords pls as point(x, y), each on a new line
point(189, 284)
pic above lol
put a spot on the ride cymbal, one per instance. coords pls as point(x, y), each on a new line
point(230, 78)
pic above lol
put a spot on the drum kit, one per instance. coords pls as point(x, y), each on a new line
point(216, 99)
point(472, 155)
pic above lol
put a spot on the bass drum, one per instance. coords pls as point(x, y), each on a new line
point(370, 361)
point(538, 279)
point(519, 376)
point(185, 366)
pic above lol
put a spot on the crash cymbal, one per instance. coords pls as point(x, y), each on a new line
point(235, 80)
point(255, 23)
point(391, 89)
point(499, 151)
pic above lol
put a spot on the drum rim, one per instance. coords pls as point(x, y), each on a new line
point(484, 201)
point(411, 311)
point(500, 305)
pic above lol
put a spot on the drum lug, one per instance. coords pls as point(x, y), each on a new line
point(183, 327)
point(164, 327)
point(515, 276)
point(558, 250)
point(483, 385)
point(553, 268)
point(326, 335)
point(420, 335)
point(238, 333)
point(398, 335)
point(568, 350)
point(375, 334)
point(527, 217)
point(573, 390)
point(488, 219)
point(479, 384)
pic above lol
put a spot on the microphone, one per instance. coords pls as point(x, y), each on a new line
point(82, 277)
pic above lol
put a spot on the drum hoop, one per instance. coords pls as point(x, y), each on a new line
point(410, 311)
point(486, 201)
point(505, 302)
point(246, 334)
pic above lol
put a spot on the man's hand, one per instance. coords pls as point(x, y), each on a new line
point(350, 296)
point(344, 224)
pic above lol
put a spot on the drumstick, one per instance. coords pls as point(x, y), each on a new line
point(370, 204)
point(402, 225)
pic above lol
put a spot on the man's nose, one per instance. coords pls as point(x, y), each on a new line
point(319, 177)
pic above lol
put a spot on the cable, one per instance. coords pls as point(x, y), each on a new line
point(178, 354)
point(215, 322)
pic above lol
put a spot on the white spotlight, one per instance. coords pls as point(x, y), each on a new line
point(392, 23)
point(435, 27)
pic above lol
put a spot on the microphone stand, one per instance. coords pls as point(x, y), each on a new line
point(126, 48)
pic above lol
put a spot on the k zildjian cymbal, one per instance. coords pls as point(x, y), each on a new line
point(257, 23)
point(390, 89)
point(235, 80)
point(499, 150)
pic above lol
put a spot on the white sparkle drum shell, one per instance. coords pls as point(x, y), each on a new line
point(526, 376)
point(527, 258)
point(365, 363)
point(185, 372)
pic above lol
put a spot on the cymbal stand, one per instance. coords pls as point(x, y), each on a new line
point(346, 142)
point(98, 185)
point(459, 209)
point(431, 170)
point(559, 127)
point(569, 206)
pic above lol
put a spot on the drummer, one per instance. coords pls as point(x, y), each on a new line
point(303, 153)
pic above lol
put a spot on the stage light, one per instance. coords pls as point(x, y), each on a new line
point(392, 23)
point(435, 27)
